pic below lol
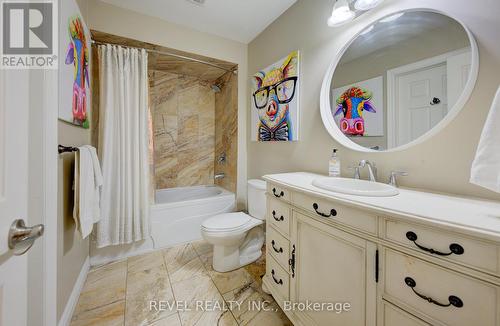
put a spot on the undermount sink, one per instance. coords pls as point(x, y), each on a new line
point(355, 187)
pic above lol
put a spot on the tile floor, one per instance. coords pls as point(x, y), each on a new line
point(121, 293)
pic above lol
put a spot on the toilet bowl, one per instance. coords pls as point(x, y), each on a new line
point(238, 237)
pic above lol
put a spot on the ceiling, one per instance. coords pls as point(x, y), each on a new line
point(238, 20)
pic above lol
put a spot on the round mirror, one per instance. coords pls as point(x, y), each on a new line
point(399, 81)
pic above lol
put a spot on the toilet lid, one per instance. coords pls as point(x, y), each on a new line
point(226, 222)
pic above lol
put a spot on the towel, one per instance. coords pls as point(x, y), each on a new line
point(88, 184)
point(485, 170)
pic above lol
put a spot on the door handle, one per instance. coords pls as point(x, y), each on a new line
point(435, 101)
point(22, 237)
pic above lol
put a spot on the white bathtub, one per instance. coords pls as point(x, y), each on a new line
point(177, 215)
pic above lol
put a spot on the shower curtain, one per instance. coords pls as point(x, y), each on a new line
point(123, 145)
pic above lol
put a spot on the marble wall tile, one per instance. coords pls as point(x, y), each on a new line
point(226, 130)
point(184, 130)
point(173, 320)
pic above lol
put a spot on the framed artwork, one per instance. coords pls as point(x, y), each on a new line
point(358, 109)
point(275, 101)
point(74, 66)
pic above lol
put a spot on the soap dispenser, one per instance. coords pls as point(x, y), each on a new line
point(334, 165)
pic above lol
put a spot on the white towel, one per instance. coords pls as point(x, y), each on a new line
point(485, 170)
point(88, 183)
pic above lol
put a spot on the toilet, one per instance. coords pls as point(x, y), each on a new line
point(238, 237)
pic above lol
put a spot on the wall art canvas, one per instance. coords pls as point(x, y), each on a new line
point(358, 109)
point(74, 66)
point(275, 101)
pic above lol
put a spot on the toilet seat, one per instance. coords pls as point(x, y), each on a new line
point(230, 223)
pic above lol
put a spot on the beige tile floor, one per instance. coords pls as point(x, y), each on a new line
point(121, 293)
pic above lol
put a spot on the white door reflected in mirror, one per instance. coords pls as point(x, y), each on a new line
point(399, 81)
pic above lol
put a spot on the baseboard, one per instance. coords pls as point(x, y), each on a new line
point(65, 319)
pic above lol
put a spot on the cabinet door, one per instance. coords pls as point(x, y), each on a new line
point(332, 267)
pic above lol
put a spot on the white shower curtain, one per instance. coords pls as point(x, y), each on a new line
point(123, 145)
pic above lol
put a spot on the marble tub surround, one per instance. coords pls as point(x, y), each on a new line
point(226, 130)
point(183, 110)
point(119, 293)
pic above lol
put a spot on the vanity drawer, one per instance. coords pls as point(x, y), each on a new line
point(393, 316)
point(278, 278)
point(444, 245)
point(278, 246)
point(466, 301)
point(278, 192)
point(355, 218)
point(279, 215)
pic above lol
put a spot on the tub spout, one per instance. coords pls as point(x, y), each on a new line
point(219, 176)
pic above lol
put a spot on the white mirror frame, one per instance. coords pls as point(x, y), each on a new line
point(325, 105)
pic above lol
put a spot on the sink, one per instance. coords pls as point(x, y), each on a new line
point(355, 187)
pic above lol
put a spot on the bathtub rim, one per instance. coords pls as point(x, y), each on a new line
point(224, 195)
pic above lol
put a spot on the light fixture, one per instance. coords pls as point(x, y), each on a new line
point(368, 30)
point(341, 14)
point(366, 4)
point(392, 17)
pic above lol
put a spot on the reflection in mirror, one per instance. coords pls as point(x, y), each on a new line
point(399, 78)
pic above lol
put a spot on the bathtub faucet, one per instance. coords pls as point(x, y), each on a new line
point(219, 176)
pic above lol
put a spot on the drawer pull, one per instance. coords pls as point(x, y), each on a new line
point(279, 251)
point(452, 300)
point(333, 212)
point(455, 248)
point(281, 194)
point(280, 219)
point(280, 282)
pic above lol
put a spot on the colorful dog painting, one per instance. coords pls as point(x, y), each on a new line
point(78, 55)
point(275, 101)
point(352, 103)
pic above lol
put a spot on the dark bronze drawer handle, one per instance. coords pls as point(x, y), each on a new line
point(280, 282)
point(452, 300)
point(281, 194)
point(279, 251)
point(455, 248)
point(280, 219)
point(333, 212)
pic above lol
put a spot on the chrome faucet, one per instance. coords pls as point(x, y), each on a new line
point(372, 169)
point(219, 176)
point(393, 180)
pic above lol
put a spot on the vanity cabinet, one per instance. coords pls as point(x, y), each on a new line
point(368, 265)
point(332, 266)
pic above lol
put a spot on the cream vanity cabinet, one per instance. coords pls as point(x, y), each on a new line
point(331, 262)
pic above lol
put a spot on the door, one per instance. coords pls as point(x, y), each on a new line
point(457, 71)
point(346, 278)
point(14, 141)
point(421, 102)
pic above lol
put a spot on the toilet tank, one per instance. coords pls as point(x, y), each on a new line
point(257, 198)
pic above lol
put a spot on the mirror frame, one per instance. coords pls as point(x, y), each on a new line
point(325, 105)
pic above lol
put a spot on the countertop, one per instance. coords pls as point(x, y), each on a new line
point(467, 215)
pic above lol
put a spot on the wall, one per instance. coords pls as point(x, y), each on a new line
point(183, 110)
point(226, 130)
point(434, 164)
point(72, 249)
point(114, 20)
point(437, 42)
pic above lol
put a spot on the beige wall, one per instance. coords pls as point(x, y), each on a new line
point(183, 111)
point(440, 164)
point(114, 20)
point(72, 250)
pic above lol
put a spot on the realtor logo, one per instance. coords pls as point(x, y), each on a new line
point(29, 35)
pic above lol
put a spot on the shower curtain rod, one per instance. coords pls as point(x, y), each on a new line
point(234, 71)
